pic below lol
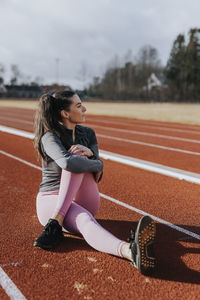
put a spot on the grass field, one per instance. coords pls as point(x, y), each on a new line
point(168, 112)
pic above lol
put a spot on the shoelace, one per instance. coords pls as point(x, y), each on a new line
point(50, 229)
point(47, 230)
point(133, 245)
point(132, 238)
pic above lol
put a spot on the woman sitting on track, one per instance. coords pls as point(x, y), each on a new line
point(68, 195)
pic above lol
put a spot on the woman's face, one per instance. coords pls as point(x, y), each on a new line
point(77, 111)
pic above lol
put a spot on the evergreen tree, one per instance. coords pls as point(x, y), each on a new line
point(176, 68)
point(183, 67)
point(193, 64)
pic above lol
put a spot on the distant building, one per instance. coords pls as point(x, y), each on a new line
point(155, 81)
point(23, 91)
point(55, 87)
point(29, 91)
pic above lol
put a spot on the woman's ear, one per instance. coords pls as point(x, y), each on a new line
point(64, 114)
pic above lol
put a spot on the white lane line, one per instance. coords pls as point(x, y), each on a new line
point(180, 229)
point(134, 123)
point(131, 161)
point(157, 123)
point(120, 130)
point(10, 288)
point(18, 132)
point(181, 126)
point(19, 159)
point(171, 129)
point(11, 264)
point(190, 233)
point(137, 122)
point(148, 126)
point(152, 167)
point(169, 137)
point(31, 136)
point(16, 120)
point(148, 144)
point(118, 123)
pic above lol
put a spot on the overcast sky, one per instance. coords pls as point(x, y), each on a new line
point(72, 41)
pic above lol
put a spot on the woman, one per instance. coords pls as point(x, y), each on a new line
point(68, 197)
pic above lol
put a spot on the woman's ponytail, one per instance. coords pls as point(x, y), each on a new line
point(48, 117)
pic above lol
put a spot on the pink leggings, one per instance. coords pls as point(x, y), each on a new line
point(78, 201)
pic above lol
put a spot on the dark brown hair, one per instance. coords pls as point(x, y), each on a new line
point(48, 117)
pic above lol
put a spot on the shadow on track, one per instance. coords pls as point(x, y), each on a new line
point(171, 246)
point(172, 249)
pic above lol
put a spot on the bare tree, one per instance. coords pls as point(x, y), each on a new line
point(148, 55)
point(147, 62)
point(16, 74)
point(128, 57)
point(2, 71)
point(84, 72)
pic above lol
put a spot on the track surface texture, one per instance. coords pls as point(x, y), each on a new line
point(74, 270)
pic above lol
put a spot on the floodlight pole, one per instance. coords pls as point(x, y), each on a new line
point(57, 70)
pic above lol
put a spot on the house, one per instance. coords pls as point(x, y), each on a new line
point(153, 81)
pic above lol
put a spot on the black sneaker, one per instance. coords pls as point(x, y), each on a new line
point(142, 246)
point(51, 235)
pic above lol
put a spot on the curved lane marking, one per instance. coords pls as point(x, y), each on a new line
point(190, 233)
point(153, 127)
point(127, 160)
point(16, 120)
point(152, 167)
point(133, 121)
point(31, 136)
point(148, 144)
point(9, 287)
point(120, 130)
point(18, 132)
point(169, 137)
point(177, 228)
point(193, 130)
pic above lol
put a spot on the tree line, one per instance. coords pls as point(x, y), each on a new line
point(145, 79)
point(17, 78)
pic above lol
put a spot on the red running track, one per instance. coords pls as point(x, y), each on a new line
point(74, 270)
point(23, 119)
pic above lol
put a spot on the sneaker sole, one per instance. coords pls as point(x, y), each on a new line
point(36, 244)
point(144, 238)
point(46, 247)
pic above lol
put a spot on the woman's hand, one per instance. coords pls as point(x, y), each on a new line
point(97, 176)
point(84, 151)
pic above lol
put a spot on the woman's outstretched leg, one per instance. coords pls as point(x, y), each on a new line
point(46, 203)
point(80, 220)
point(140, 249)
point(77, 218)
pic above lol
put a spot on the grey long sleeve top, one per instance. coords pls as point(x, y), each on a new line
point(58, 157)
